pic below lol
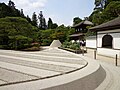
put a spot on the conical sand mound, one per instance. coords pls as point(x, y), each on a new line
point(55, 43)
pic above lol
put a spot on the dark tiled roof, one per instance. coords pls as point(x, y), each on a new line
point(86, 22)
point(113, 24)
point(76, 35)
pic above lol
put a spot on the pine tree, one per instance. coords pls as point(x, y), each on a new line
point(42, 24)
point(34, 19)
point(100, 4)
point(50, 23)
point(21, 13)
point(28, 19)
point(11, 4)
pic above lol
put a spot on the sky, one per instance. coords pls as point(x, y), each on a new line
point(60, 11)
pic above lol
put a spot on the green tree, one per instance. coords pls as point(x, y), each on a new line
point(11, 4)
point(76, 20)
point(34, 19)
point(112, 10)
point(8, 11)
point(21, 13)
point(54, 26)
point(50, 23)
point(16, 33)
point(42, 24)
point(45, 37)
point(62, 33)
point(28, 19)
point(100, 4)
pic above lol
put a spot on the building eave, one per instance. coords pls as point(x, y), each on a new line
point(110, 25)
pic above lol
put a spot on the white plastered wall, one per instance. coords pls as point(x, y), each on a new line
point(116, 43)
point(91, 43)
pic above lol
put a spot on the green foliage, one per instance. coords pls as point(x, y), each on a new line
point(45, 37)
point(42, 24)
point(34, 19)
point(28, 19)
point(76, 20)
point(112, 10)
point(74, 46)
point(62, 33)
point(11, 4)
point(16, 33)
point(66, 44)
point(50, 23)
point(19, 42)
point(89, 33)
point(100, 4)
point(8, 11)
point(109, 12)
point(54, 25)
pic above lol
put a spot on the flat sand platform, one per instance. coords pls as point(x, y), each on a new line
point(49, 69)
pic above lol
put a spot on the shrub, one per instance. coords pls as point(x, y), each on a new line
point(46, 42)
point(71, 45)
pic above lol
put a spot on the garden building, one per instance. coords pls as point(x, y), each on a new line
point(107, 38)
point(80, 30)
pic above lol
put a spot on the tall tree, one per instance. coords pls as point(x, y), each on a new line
point(100, 4)
point(42, 24)
point(34, 19)
point(50, 23)
point(112, 10)
point(28, 19)
point(8, 11)
point(11, 4)
point(21, 13)
point(76, 20)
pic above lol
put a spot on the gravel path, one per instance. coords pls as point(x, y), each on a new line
point(112, 81)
